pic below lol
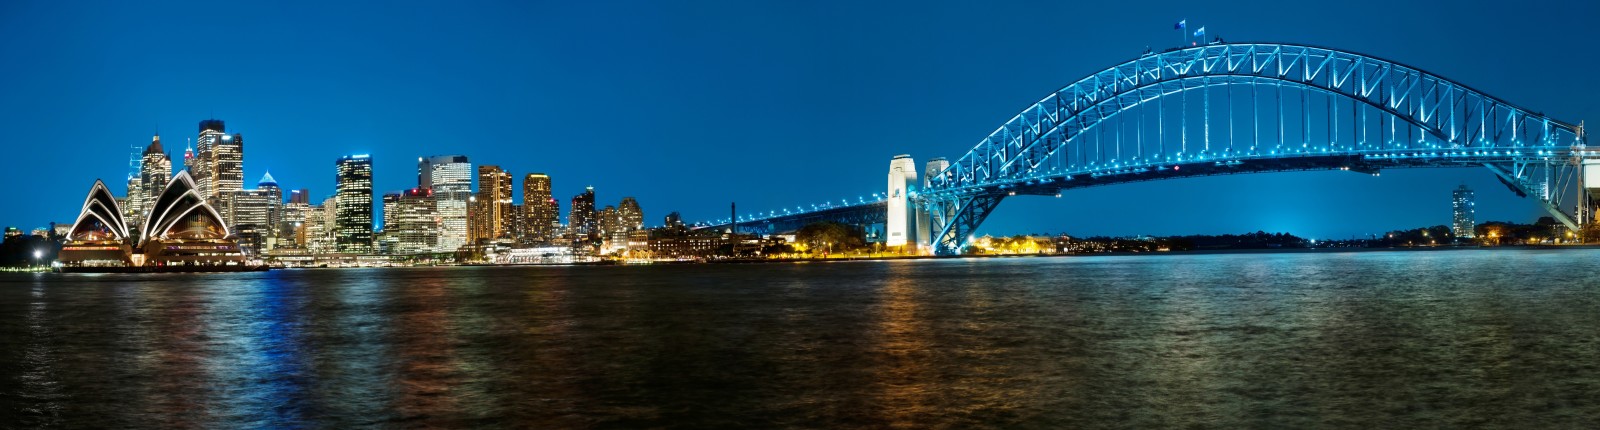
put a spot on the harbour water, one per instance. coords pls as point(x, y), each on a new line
point(1461, 338)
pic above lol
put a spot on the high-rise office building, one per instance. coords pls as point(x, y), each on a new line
point(256, 214)
point(155, 170)
point(201, 166)
point(610, 224)
point(293, 220)
point(630, 213)
point(269, 186)
point(353, 195)
point(319, 227)
point(1464, 208)
point(581, 222)
point(543, 212)
point(219, 161)
point(291, 224)
point(415, 228)
point(629, 218)
point(492, 216)
point(385, 240)
point(218, 167)
point(449, 178)
point(133, 204)
point(517, 224)
point(252, 212)
point(228, 156)
point(390, 199)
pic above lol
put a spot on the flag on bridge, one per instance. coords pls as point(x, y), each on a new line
point(1180, 25)
point(1200, 33)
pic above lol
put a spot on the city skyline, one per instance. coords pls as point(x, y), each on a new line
point(671, 160)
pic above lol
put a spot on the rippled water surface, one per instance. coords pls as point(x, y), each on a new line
point(1496, 338)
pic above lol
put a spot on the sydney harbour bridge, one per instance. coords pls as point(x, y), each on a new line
point(1219, 109)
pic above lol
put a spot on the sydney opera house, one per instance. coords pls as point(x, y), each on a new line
point(180, 233)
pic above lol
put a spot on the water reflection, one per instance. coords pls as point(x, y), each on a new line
point(43, 395)
point(1460, 339)
point(904, 372)
point(351, 336)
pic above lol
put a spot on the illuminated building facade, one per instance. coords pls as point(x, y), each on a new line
point(1464, 219)
point(631, 215)
point(449, 177)
point(416, 222)
point(291, 222)
point(541, 209)
point(581, 222)
point(611, 227)
point(353, 213)
point(491, 218)
point(254, 215)
point(318, 230)
point(155, 169)
point(218, 165)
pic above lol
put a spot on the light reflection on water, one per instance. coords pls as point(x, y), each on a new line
point(1501, 338)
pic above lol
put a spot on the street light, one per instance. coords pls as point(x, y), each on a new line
point(37, 254)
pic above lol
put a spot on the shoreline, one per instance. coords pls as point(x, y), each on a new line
point(1005, 256)
point(925, 257)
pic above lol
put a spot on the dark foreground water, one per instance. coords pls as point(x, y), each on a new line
point(1471, 338)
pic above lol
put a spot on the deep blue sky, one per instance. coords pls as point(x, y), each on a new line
point(687, 106)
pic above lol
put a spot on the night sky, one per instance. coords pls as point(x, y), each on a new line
point(687, 106)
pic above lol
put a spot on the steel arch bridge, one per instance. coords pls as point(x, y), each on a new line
point(1229, 108)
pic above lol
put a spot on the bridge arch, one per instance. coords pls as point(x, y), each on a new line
point(1046, 148)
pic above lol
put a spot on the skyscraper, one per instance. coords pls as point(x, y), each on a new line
point(581, 220)
point(292, 223)
point(491, 218)
point(218, 168)
point(630, 218)
point(202, 166)
point(353, 195)
point(1464, 208)
point(543, 212)
point(389, 210)
point(256, 214)
point(219, 163)
point(449, 178)
point(610, 224)
point(228, 156)
point(155, 170)
point(415, 226)
point(253, 213)
point(270, 186)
